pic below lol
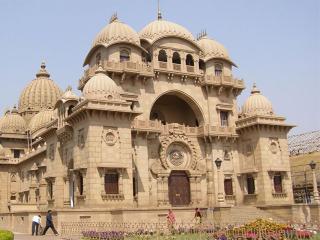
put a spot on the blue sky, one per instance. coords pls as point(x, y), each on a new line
point(275, 43)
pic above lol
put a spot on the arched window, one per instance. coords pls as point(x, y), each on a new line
point(70, 109)
point(189, 60)
point(146, 57)
point(124, 56)
point(202, 65)
point(176, 58)
point(218, 70)
point(162, 56)
point(98, 58)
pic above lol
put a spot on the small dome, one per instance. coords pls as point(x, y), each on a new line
point(213, 49)
point(160, 28)
point(116, 32)
point(257, 104)
point(12, 122)
point(42, 93)
point(41, 119)
point(100, 86)
point(69, 94)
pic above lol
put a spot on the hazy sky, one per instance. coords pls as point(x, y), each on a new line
point(275, 43)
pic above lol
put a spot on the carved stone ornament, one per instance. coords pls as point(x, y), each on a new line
point(178, 151)
point(274, 146)
point(176, 157)
point(13, 177)
point(110, 136)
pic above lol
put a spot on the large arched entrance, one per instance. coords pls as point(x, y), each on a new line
point(176, 107)
point(179, 188)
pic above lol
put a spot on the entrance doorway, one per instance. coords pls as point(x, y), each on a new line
point(179, 188)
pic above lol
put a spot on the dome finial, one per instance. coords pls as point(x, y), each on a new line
point(113, 18)
point(159, 12)
point(69, 88)
point(255, 89)
point(42, 71)
point(14, 109)
point(202, 34)
point(100, 69)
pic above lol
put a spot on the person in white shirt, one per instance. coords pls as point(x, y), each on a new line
point(35, 224)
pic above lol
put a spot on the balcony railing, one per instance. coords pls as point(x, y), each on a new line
point(118, 67)
point(157, 127)
point(223, 81)
point(176, 67)
point(163, 65)
point(190, 69)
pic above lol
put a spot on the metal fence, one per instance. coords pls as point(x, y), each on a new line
point(141, 230)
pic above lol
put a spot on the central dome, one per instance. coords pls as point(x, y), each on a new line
point(42, 93)
point(213, 49)
point(116, 32)
point(160, 28)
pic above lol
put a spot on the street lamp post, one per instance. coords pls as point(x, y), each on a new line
point(313, 165)
point(218, 163)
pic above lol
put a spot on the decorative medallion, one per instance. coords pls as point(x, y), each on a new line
point(274, 147)
point(178, 151)
point(110, 136)
point(176, 157)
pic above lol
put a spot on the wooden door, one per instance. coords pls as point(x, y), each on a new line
point(179, 188)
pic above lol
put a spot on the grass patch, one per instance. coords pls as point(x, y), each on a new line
point(6, 235)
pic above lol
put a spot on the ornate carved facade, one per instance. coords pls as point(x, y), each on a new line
point(157, 111)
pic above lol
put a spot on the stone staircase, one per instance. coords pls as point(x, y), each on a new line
point(244, 214)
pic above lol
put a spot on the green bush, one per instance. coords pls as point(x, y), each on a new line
point(6, 235)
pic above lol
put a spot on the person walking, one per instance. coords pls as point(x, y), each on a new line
point(35, 224)
point(49, 224)
point(198, 216)
point(171, 219)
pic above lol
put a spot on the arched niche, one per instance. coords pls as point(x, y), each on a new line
point(176, 107)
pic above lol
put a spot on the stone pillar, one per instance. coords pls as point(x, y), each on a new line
point(193, 190)
point(120, 181)
point(220, 188)
point(210, 179)
point(198, 189)
point(160, 191)
point(166, 190)
point(32, 189)
point(315, 187)
point(169, 59)
point(66, 192)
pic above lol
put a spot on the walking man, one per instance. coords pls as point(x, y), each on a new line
point(49, 224)
point(35, 224)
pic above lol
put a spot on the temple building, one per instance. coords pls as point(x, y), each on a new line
point(156, 126)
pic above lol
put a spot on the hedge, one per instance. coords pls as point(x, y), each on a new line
point(6, 235)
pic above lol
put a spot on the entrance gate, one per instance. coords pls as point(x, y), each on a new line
point(179, 188)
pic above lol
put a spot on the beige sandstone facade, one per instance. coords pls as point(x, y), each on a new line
point(156, 115)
